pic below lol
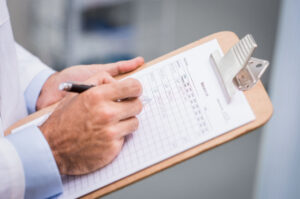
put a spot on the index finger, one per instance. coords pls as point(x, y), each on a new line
point(128, 88)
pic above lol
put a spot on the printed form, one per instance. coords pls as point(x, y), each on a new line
point(184, 106)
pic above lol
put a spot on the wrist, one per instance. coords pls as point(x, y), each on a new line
point(47, 131)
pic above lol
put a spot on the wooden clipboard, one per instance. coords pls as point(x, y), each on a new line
point(257, 98)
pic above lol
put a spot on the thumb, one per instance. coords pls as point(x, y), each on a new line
point(120, 67)
point(100, 78)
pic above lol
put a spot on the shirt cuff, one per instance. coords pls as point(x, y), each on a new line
point(33, 90)
point(42, 178)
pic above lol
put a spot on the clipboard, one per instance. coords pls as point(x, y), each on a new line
point(257, 98)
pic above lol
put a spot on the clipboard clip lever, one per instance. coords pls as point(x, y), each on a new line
point(237, 70)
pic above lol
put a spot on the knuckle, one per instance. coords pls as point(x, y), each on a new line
point(111, 133)
point(136, 85)
point(93, 97)
point(107, 114)
point(94, 94)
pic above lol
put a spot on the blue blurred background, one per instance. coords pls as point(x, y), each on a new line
point(262, 164)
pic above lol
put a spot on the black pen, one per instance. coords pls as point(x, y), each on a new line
point(74, 87)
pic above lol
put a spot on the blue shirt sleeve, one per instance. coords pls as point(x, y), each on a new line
point(33, 90)
point(42, 178)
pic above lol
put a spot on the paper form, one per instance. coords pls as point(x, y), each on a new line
point(185, 106)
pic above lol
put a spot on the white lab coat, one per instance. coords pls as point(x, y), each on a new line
point(17, 69)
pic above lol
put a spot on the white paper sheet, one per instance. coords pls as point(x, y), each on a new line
point(184, 107)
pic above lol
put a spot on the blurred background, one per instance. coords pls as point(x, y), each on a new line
point(70, 32)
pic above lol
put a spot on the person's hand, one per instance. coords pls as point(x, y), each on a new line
point(87, 130)
point(50, 93)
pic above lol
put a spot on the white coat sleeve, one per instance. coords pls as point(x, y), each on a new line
point(12, 183)
point(33, 74)
point(29, 66)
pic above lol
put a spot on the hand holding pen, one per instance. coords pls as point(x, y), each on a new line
point(92, 126)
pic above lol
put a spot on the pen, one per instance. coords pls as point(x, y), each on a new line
point(79, 88)
point(74, 87)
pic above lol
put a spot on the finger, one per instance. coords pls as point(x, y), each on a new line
point(123, 66)
point(100, 78)
point(128, 88)
point(126, 127)
point(128, 108)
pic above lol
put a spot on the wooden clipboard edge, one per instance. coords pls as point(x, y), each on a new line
point(257, 98)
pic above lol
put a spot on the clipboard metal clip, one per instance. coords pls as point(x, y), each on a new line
point(237, 70)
